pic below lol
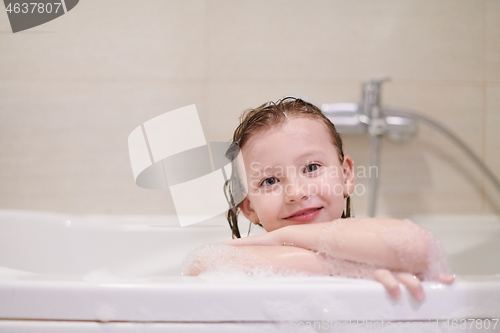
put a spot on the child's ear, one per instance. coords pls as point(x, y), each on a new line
point(349, 177)
point(247, 210)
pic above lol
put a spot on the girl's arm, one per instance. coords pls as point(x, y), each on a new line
point(397, 245)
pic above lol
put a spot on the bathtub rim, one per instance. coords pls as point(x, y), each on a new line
point(198, 299)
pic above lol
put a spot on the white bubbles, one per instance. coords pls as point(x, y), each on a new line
point(220, 260)
point(334, 234)
point(437, 260)
point(349, 269)
point(203, 258)
point(412, 243)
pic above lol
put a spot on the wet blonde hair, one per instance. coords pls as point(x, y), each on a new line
point(263, 117)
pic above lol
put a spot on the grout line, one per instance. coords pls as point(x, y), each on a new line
point(484, 100)
point(484, 145)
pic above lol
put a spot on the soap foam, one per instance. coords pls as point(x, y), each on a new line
point(437, 260)
point(336, 266)
point(221, 260)
point(404, 244)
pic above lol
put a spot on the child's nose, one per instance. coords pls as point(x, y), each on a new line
point(295, 190)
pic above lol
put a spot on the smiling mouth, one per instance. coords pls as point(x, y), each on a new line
point(305, 212)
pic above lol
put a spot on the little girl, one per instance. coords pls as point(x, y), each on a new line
point(294, 180)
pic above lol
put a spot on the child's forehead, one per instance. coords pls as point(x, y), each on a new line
point(297, 136)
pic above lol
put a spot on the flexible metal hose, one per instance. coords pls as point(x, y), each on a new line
point(468, 151)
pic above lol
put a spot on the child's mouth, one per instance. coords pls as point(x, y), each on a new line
point(305, 215)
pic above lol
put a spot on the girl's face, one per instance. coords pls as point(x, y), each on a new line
point(294, 175)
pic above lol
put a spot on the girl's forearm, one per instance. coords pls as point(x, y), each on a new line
point(398, 245)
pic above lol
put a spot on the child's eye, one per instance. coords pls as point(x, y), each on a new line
point(269, 181)
point(312, 167)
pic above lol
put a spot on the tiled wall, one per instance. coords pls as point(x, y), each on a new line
point(72, 90)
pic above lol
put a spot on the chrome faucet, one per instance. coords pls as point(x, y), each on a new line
point(369, 116)
point(370, 106)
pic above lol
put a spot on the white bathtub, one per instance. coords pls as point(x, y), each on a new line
point(61, 273)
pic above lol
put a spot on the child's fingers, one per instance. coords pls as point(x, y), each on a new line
point(387, 279)
point(446, 278)
point(413, 284)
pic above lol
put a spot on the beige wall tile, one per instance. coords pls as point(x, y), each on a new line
point(419, 176)
point(432, 177)
point(338, 40)
point(63, 145)
point(458, 107)
point(112, 38)
point(435, 175)
point(492, 66)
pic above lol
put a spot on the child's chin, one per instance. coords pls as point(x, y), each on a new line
point(309, 222)
point(322, 219)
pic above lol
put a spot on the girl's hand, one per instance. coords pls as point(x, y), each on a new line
point(391, 282)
